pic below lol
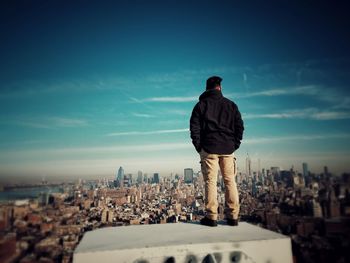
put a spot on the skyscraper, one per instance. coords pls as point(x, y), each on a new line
point(120, 174)
point(156, 178)
point(325, 170)
point(306, 174)
point(248, 166)
point(139, 177)
point(188, 172)
point(326, 173)
point(305, 170)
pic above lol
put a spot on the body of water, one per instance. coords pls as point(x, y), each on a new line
point(27, 193)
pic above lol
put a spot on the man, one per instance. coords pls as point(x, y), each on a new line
point(216, 130)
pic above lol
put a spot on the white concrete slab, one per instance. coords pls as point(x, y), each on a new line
point(184, 242)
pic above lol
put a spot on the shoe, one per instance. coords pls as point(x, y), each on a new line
point(208, 222)
point(232, 222)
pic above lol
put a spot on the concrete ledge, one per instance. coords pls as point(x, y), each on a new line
point(184, 242)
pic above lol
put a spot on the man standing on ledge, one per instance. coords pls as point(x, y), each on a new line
point(216, 130)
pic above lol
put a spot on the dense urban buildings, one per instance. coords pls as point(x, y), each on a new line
point(313, 209)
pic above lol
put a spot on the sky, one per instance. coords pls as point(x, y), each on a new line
point(89, 86)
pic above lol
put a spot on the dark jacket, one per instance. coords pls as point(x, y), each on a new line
point(216, 124)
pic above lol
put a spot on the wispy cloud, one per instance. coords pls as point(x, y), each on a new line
point(308, 113)
point(139, 101)
point(147, 132)
point(179, 112)
point(332, 96)
point(302, 90)
point(299, 137)
point(339, 104)
point(67, 122)
point(47, 122)
point(143, 115)
point(172, 99)
point(331, 115)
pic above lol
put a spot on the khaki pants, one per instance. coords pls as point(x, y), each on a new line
point(210, 164)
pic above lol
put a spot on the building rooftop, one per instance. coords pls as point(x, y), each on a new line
point(184, 242)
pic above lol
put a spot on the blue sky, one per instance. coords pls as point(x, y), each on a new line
point(87, 87)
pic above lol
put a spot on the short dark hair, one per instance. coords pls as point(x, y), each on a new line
point(213, 82)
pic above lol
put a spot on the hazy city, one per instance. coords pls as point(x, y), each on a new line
point(313, 209)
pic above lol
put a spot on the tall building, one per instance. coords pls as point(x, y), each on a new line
point(305, 170)
point(248, 166)
point(326, 173)
point(139, 177)
point(263, 176)
point(325, 170)
point(306, 174)
point(120, 174)
point(156, 178)
point(188, 172)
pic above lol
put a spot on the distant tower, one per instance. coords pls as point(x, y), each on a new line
point(306, 174)
point(139, 177)
point(325, 170)
point(188, 172)
point(248, 166)
point(120, 174)
point(305, 170)
point(156, 178)
point(263, 176)
point(131, 180)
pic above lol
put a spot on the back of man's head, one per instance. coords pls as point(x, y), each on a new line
point(213, 82)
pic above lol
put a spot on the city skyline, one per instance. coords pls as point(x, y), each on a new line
point(88, 88)
point(134, 175)
point(54, 219)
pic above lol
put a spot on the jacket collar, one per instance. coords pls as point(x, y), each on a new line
point(211, 94)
